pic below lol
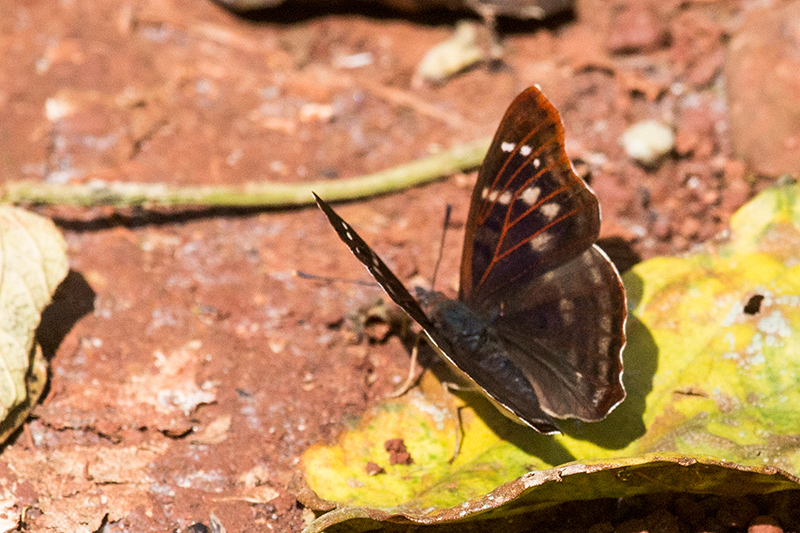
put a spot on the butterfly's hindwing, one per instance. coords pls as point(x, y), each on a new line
point(564, 330)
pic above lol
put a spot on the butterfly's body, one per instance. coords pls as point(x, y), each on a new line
point(472, 346)
point(455, 320)
point(539, 322)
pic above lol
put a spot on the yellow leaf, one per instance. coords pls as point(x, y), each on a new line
point(711, 370)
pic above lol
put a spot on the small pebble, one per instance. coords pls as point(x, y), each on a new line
point(680, 243)
point(662, 229)
point(398, 454)
point(709, 197)
point(373, 469)
point(690, 227)
point(648, 141)
point(736, 190)
point(636, 28)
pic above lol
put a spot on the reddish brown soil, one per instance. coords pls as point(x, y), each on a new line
point(204, 368)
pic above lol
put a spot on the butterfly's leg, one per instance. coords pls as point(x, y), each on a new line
point(412, 371)
point(459, 432)
point(456, 412)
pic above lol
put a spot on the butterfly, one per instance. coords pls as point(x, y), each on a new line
point(539, 323)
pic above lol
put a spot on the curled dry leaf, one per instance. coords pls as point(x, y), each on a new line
point(33, 261)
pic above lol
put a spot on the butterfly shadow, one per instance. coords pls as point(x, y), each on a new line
point(532, 443)
point(526, 439)
point(73, 299)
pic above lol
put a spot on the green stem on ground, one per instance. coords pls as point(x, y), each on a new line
point(263, 194)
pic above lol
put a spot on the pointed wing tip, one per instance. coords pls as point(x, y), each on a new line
point(327, 209)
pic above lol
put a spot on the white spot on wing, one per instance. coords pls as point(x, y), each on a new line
point(485, 192)
point(567, 308)
point(541, 242)
point(594, 273)
point(530, 195)
point(603, 344)
point(550, 210)
point(507, 147)
point(348, 234)
point(604, 302)
point(504, 198)
point(492, 197)
point(537, 162)
point(525, 150)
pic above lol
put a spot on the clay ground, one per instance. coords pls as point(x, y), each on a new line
point(192, 368)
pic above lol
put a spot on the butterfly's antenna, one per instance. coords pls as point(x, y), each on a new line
point(441, 244)
point(306, 275)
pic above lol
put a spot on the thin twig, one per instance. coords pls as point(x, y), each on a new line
point(261, 194)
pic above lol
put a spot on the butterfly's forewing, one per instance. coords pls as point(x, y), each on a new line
point(529, 211)
point(382, 274)
point(490, 369)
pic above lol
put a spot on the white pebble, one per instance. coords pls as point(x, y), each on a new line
point(647, 141)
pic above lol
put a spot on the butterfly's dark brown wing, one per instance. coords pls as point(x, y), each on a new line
point(382, 274)
point(564, 331)
point(529, 213)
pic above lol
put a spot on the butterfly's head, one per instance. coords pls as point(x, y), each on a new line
point(429, 300)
